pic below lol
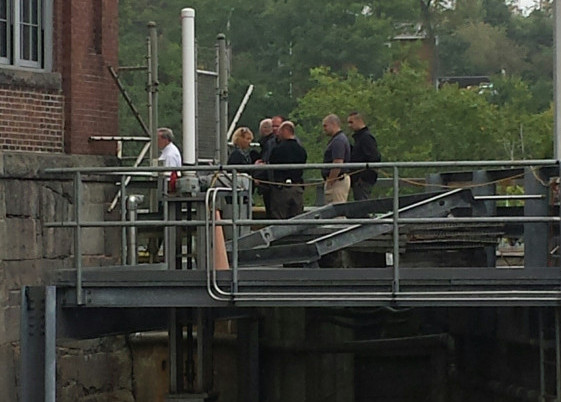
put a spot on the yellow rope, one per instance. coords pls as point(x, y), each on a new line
point(403, 180)
point(448, 186)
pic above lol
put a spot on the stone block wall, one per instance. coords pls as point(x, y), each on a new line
point(30, 253)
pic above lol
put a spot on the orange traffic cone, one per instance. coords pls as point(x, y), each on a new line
point(220, 256)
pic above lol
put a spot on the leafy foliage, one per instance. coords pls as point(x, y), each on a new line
point(412, 121)
point(308, 59)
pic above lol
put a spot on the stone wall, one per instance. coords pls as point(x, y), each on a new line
point(30, 252)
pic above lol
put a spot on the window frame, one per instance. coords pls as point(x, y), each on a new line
point(41, 43)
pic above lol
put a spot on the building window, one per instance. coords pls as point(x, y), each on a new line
point(25, 33)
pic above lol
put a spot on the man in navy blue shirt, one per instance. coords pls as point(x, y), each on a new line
point(337, 181)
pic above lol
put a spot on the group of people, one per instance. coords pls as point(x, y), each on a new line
point(282, 189)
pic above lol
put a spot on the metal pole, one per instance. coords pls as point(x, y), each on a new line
point(149, 93)
point(128, 100)
point(77, 236)
point(542, 354)
point(557, 354)
point(557, 80)
point(124, 257)
point(235, 230)
point(239, 112)
point(395, 230)
point(153, 90)
point(50, 343)
point(189, 73)
point(223, 94)
point(132, 205)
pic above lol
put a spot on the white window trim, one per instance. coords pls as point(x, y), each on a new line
point(44, 43)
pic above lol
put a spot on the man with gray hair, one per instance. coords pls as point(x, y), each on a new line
point(267, 141)
point(170, 155)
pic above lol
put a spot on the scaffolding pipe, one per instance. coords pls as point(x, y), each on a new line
point(240, 111)
point(557, 313)
point(222, 139)
point(132, 207)
point(78, 236)
point(189, 71)
point(153, 92)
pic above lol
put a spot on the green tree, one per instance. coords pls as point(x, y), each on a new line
point(412, 121)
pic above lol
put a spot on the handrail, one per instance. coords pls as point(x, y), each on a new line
point(210, 224)
point(308, 166)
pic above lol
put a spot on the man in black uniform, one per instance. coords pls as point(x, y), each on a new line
point(267, 141)
point(365, 149)
point(287, 195)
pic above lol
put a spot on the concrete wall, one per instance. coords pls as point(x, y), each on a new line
point(30, 252)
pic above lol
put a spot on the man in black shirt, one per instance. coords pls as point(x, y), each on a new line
point(365, 149)
point(267, 141)
point(287, 194)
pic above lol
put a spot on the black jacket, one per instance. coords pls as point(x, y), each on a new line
point(365, 149)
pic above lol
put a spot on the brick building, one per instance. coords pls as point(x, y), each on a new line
point(55, 90)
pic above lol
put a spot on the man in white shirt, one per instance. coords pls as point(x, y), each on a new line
point(170, 153)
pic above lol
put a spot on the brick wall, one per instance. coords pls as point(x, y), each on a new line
point(58, 111)
point(32, 120)
point(89, 44)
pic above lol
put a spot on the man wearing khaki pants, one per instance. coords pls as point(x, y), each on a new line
point(337, 181)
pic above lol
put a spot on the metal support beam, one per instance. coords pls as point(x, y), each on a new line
point(38, 344)
point(153, 91)
point(535, 234)
point(205, 333)
point(176, 385)
point(439, 205)
point(222, 139)
point(248, 359)
point(485, 208)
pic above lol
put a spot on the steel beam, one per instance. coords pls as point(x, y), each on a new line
point(313, 250)
point(38, 344)
point(535, 234)
point(248, 359)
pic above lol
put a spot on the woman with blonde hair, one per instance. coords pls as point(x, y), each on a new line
point(241, 154)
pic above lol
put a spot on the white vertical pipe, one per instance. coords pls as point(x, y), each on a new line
point(189, 71)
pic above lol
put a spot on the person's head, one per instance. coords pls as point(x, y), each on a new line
point(265, 127)
point(356, 122)
point(242, 137)
point(277, 120)
point(165, 136)
point(331, 124)
point(286, 130)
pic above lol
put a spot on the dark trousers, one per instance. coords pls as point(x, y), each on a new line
point(286, 202)
point(361, 190)
point(265, 191)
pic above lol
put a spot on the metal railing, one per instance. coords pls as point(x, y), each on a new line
point(391, 218)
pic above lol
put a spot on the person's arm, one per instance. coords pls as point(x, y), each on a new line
point(338, 153)
point(334, 173)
